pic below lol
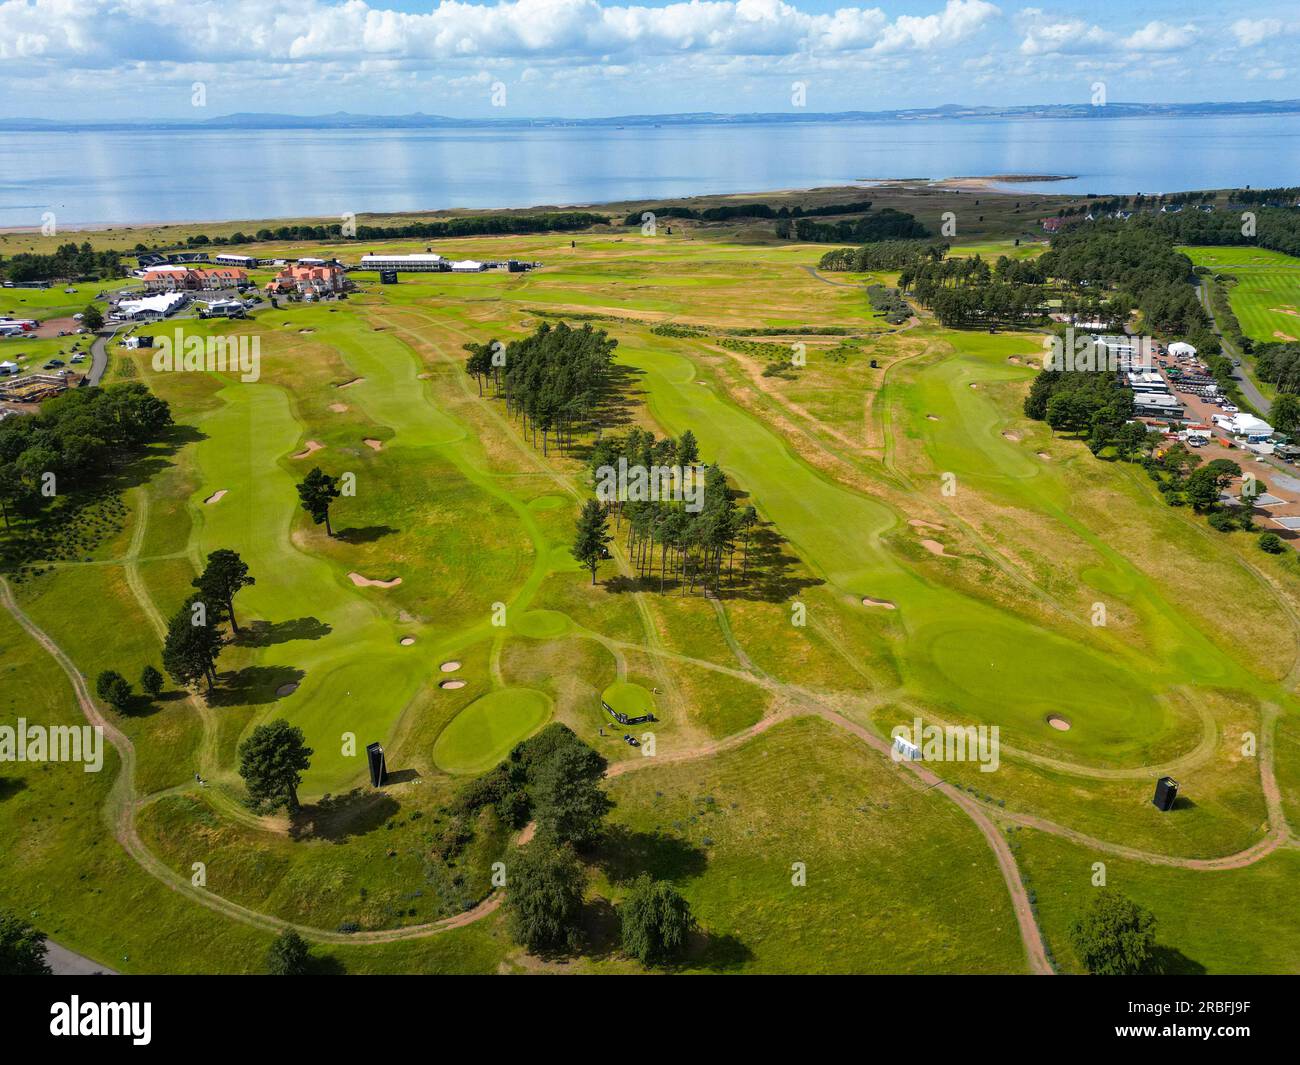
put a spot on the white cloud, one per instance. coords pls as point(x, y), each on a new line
point(1047, 34)
point(1253, 32)
point(1160, 37)
point(111, 31)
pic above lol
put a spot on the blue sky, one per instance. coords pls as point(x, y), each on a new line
point(105, 59)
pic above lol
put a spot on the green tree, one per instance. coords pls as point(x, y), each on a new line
point(1116, 936)
point(151, 681)
point(289, 955)
point(656, 920)
point(224, 575)
point(1285, 412)
point(592, 536)
point(271, 761)
point(192, 646)
point(317, 491)
point(114, 689)
point(92, 318)
point(22, 948)
point(568, 802)
point(1271, 543)
point(544, 890)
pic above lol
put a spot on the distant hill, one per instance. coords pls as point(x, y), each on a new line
point(418, 120)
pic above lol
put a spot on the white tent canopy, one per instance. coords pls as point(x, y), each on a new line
point(1181, 347)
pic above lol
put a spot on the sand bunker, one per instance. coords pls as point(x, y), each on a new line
point(1283, 336)
point(868, 601)
point(935, 548)
point(338, 408)
point(973, 384)
point(917, 523)
point(406, 641)
point(287, 689)
point(1059, 723)
point(449, 667)
point(366, 582)
point(452, 684)
point(312, 445)
point(1011, 435)
point(1045, 456)
point(1286, 310)
point(349, 384)
point(374, 445)
point(215, 496)
point(933, 417)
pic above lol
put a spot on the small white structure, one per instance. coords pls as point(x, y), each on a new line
point(7, 368)
point(908, 751)
point(227, 308)
point(1181, 349)
point(227, 259)
point(467, 266)
point(1253, 429)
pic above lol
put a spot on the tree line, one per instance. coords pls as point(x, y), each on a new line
point(882, 255)
point(885, 224)
point(67, 262)
point(968, 291)
point(550, 380)
point(746, 210)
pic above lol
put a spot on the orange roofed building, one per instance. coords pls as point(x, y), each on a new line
point(192, 279)
point(315, 277)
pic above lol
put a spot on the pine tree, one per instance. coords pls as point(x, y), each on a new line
point(592, 536)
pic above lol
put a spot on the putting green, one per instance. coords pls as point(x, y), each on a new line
point(628, 698)
point(485, 731)
point(542, 624)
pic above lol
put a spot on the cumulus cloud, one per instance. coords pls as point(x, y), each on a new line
point(1255, 31)
point(104, 31)
point(1047, 34)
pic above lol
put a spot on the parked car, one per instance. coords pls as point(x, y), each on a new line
point(54, 364)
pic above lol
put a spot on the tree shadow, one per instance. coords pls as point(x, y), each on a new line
point(365, 535)
point(717, 953)
point(11, 786)
point(253, 685)
point(1170, 961)
point(337, 817)
point(266, 633)
point(600, 931)
point(625, 854)
point(328, 965)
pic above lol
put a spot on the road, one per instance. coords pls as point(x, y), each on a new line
point(67, 963)
point(99, 355)
point(1244, 381)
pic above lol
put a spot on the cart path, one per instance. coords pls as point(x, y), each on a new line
point(120, 810)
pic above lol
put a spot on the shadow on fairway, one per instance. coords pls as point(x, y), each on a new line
point(1170, 961)
point(336, 817)
point(253, 685)
point(366, 535)
point(11, 786)
point(717, 953)
point(266, 633)
point(624, 855)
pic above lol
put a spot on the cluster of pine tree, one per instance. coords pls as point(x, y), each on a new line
point(882, 255)
point(68, 262)
point(691, 544)
point(78, 438)
point(747, 210)
point(1089, 403)
point(886, 224)
point(970, 292)
point(551, 380)
point(469, 226)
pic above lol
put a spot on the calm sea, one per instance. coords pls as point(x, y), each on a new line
point(133, 177)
